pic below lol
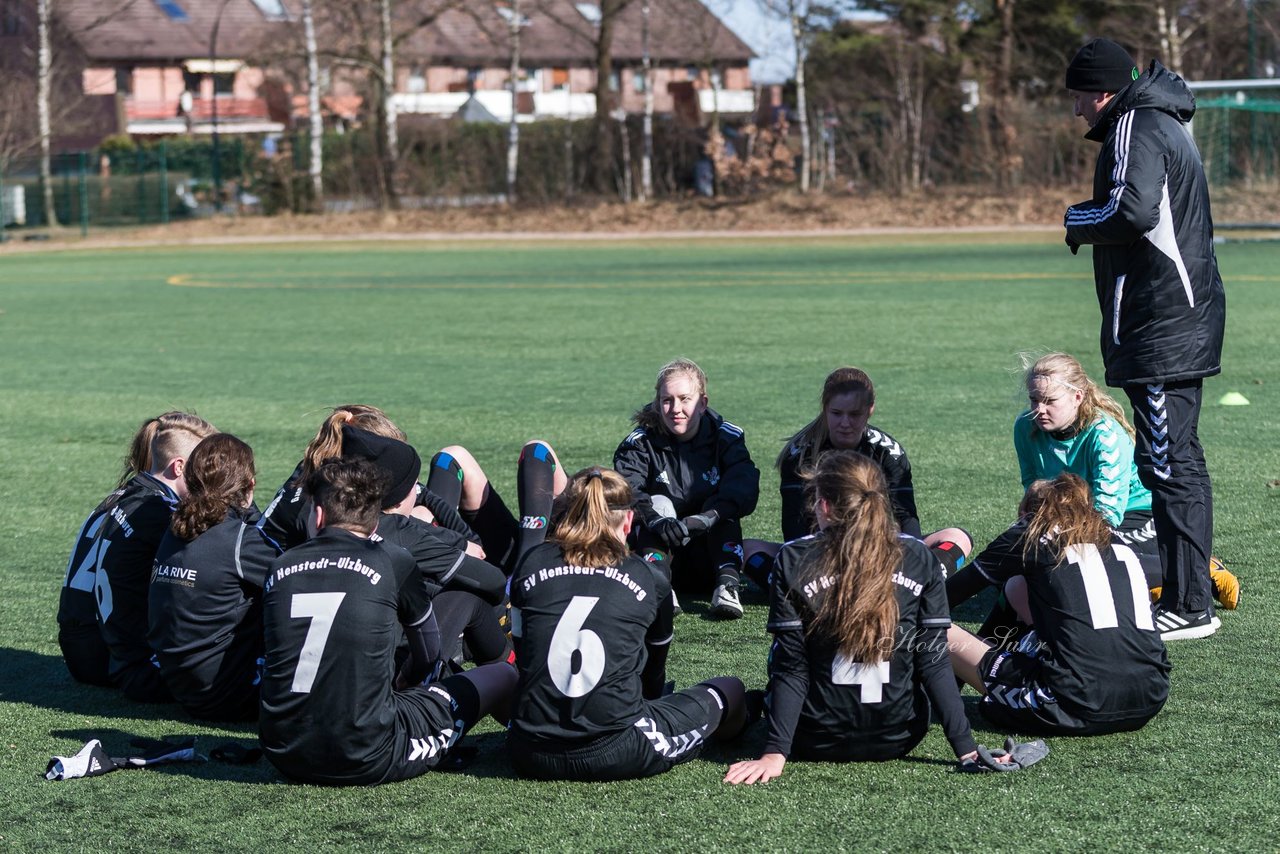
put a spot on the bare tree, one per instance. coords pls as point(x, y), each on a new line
point(316, 165)
point(44, 74)
point(513, 127)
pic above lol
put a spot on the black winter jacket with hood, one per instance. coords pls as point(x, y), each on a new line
point(1163, 306)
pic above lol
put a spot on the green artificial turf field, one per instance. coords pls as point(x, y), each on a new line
point(489, 344)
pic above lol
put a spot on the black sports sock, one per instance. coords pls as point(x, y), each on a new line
point(445, 478)
point(757, 568)
point(535, 487)
point(496, 527)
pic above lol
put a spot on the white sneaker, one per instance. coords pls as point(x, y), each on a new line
point(1174, 626)
point(725, 603)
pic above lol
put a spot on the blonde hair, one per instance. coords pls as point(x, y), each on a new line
point(159, 440)
point(1059, 514)
point(591, 508)
point(328, 441)
point(860, 552)
point(648, 416)
point(812, 436)
point(1065, 370)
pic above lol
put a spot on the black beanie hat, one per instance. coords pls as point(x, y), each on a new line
point(399, 462)
point(1101, 66)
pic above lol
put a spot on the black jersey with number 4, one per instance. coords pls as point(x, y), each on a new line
point(332, 612)
point(110, 567)
point(1102, 657)
point(580, 635)
point(826, 701)
point(205, 612)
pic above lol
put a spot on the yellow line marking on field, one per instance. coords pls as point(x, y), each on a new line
point(755, 279)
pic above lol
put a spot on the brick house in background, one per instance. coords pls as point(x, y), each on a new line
point(695, 58)
point(171, 66)
point(150, 68)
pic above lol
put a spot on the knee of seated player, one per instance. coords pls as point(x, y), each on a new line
point(474, 479)
point(959, 536)
point(751, 548)
point(663, 506)
point(559, 480)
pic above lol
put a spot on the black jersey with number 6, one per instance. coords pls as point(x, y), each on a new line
point(332, 612)
point(205, 614)
point(1102, 657)
point(580, 635)
point(827, 702)
point(110, 568)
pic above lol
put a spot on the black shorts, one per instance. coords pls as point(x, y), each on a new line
point(1018, 699)
point(852, 746)
point(672, 730)
point(142, 682)
point(429, 721)
point(85, 653)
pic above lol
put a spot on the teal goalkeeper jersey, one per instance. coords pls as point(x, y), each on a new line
point(1102, 455)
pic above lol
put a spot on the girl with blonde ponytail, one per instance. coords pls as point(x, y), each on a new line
point(859, 618)
point(592, 624)
point(102, 613)
point(205, 599)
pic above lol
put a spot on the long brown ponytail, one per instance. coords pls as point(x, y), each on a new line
point(860, 552)
point(594, 504)
point(328, 441)
point(219, 475)
point(1060, 513)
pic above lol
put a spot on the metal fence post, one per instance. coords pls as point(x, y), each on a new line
point(84, 194)
point(164, 181)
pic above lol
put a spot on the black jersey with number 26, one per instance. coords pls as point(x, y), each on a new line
point(332, 611)
point(110, 568)
point(580, 636)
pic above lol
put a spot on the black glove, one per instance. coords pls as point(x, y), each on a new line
point(1073, 246)
point(700, 523)
point(1020, 755)
point(672, 533)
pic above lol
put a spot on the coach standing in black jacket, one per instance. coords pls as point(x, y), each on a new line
point(1162, 301)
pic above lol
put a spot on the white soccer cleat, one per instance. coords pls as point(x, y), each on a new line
point(725, 603)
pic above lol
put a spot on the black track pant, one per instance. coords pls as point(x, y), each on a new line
point(1171, 464)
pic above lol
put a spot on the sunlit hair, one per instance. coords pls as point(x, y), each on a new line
point(591, 508)
point(650, 416)
point(813, 435)
point(1059, 513)
point(328, 441)
point(159, 440)
point(219, 475)
point(349, 492)
point(859, 553)
point(1066, 372)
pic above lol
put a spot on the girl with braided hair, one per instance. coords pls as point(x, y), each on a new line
point(205, 599)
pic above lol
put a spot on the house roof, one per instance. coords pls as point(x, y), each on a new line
point(142, 30)
point(557, 32)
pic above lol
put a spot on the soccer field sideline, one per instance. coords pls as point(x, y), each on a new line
point(262, 362)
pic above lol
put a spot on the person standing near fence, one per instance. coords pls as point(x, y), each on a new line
point(1162, 300)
